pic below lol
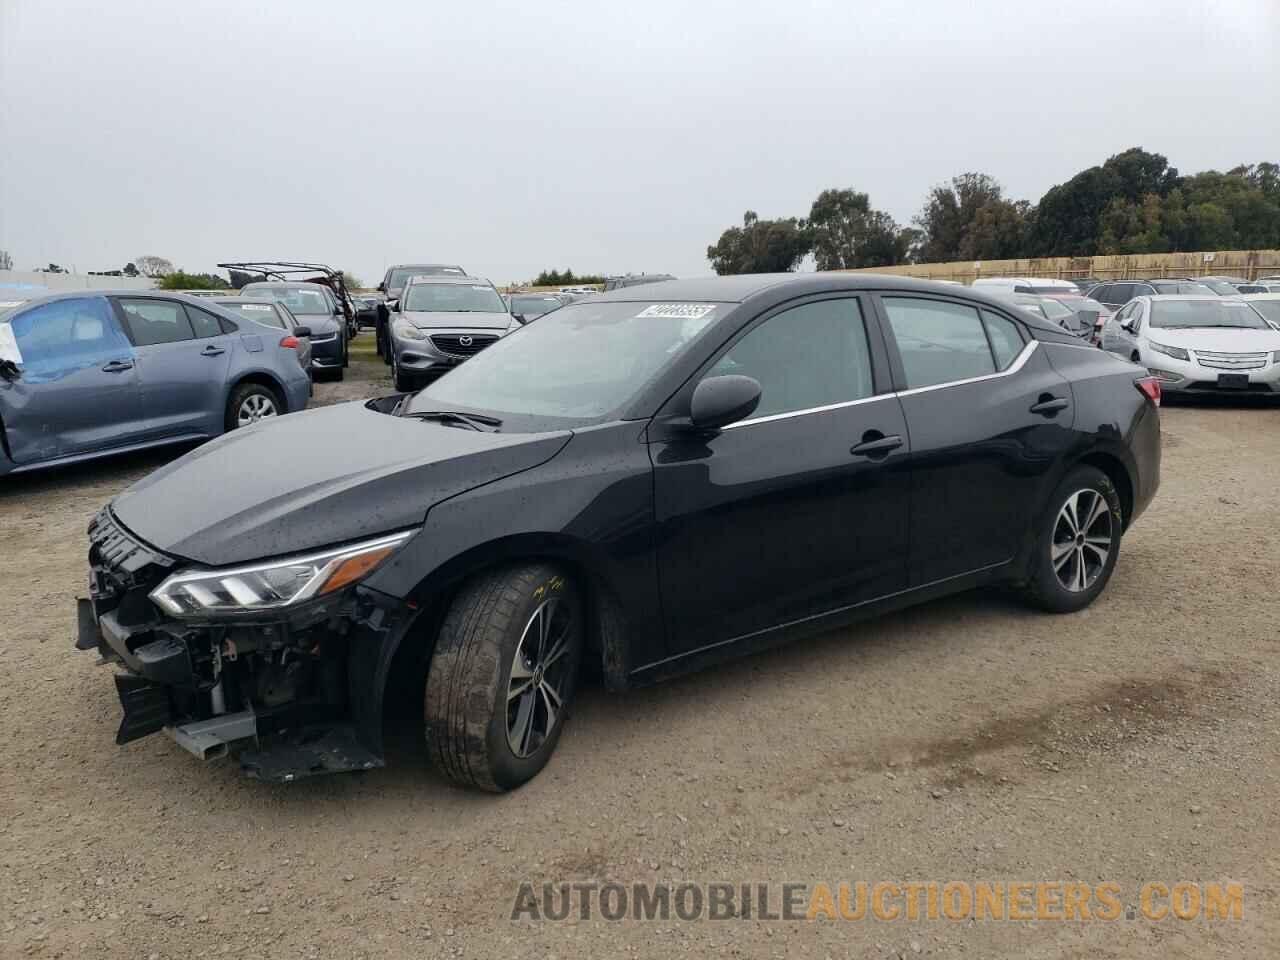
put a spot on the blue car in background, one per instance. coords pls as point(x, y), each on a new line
point(89, 374)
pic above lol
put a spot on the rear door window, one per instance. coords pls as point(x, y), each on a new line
point(938, 341)
point(203, 324)
point(152, 322)
point(1006, 338)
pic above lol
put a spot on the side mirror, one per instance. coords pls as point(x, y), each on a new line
point(1127, 324)
point(382, 288)
point(393, 306)
point(519, 317)
point(720, 401)
point(302, 331)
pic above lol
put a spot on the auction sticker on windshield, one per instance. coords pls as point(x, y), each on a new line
point(254, 306)
point(679, 311)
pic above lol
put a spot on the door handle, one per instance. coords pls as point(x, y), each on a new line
point(1047, 406)
point(118, 366)
point(212, 351)
point(875, 445)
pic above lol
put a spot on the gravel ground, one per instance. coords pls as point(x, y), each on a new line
point(970, 739)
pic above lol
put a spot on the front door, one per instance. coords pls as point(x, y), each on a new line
point(990, 420)
point(801, 508)
point(183, 357)
point(76, 391)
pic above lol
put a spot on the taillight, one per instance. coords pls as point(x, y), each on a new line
point(291, 342)
point(1150, 386)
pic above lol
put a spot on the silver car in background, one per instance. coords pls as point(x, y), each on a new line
point(1198, 344)
point(439, 322)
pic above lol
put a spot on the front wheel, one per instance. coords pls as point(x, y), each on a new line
point(404, 382)
point(503, 676)
point(1078, 543)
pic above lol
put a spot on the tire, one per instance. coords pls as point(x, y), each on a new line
point(346, 352)
point(250, 403)
point(405, 383)
point(478, 734)
point(1069, 569)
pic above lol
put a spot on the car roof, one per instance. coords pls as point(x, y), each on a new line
point(234, 299)
point(446, 278)
point(778, 287)
point(1259, 296)
point(299, 284)
point(423, 266)
point(1162, 297)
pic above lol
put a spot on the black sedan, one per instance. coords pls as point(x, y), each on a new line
point(651, 480)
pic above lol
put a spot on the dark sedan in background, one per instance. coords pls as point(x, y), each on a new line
point(526, 307)
point(88, 374)
point(273, 313)
point(318, 308)
point(652, 479)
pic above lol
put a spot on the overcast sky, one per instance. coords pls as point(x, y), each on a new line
point(508, 137)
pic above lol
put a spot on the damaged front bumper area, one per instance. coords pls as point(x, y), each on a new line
point(292, 694)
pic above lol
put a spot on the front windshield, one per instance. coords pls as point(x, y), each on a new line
point(401, 275)
point(582, 361)
point(310, 303)
point(1220, 287)
point(533, 306)
point(1188, 314)
point(1183, 288)
point(452, 298)
point(1268, 308)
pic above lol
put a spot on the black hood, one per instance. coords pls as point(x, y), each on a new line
point(312, 479)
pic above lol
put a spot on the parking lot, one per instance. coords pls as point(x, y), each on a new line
point(967, 739)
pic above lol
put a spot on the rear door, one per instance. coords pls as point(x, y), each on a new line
point(77, 389)
point(988, 419)
point(799, 509)
point(183, 358)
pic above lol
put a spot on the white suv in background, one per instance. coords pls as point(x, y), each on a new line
point(1202, 344)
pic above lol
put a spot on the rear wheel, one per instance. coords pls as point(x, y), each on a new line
point(1078, 544)
point(250, 403)
point(503, 676)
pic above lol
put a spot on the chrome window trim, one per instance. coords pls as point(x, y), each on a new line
point(1018, 363)
point(807, 410)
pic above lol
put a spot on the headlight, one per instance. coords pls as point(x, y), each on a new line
point(1176, 352)
point(408, 331)
point(270, 586)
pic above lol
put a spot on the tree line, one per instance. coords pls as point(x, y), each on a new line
point(1135, 202)
point(555, 278)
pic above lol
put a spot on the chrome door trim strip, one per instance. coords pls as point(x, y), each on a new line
point(1018, 363)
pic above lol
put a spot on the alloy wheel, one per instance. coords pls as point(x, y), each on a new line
point(255, 407)
point(535, 700)
point(1082, 540)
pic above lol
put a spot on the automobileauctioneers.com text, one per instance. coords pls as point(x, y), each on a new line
point(884, 901)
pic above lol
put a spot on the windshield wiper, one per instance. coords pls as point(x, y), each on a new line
point(472, 421)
